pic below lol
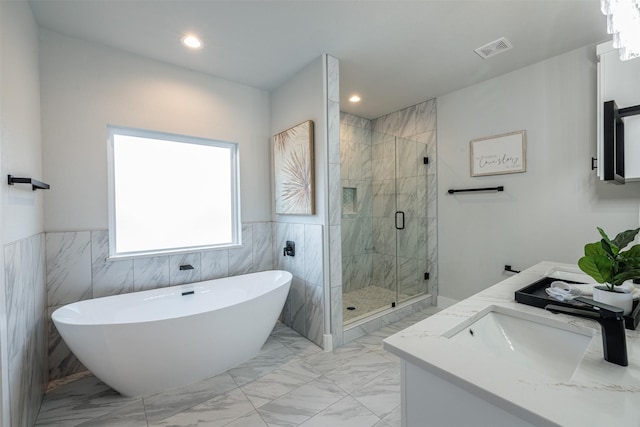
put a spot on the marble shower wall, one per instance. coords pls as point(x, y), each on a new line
point(24, 262)
point(414, 129)
point(357, 202)
point(303, 310)
point(77, 269)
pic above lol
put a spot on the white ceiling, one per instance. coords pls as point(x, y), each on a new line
point(393, 53)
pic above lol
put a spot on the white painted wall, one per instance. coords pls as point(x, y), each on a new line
point(20, 148)
point(86, 86)
point(547, 213)
point(302, 98)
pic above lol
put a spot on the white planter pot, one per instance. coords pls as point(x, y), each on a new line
point(617, 299)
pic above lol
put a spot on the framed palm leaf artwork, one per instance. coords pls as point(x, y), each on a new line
point(293, 170)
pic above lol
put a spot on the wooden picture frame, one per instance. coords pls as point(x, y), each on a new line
point(499, 154)
point(293, 170)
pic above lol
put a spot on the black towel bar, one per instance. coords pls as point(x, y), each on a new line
point(500, 188)
point(35, 184)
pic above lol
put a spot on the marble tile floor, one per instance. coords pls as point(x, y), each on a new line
point(367, 300)
point(291, 382)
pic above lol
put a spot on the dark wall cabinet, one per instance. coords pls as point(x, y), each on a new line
point(618, 158)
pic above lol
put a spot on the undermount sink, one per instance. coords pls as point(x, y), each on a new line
point(548, 347)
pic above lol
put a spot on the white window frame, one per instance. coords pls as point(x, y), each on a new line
point(236, 235)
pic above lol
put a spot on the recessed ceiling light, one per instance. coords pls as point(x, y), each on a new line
point(354, 98)
point(191, 41)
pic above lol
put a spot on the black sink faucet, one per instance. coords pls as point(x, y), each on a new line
point(614, 341)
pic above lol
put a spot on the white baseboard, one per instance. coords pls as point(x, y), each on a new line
point(327, 342)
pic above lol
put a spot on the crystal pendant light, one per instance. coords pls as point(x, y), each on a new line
point(623, 22)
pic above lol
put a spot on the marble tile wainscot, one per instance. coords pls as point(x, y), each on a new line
point(25, 293)
point(303, 310)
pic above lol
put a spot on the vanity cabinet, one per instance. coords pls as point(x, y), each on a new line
point(563, 381)
point(618, 81)
point(427, 399)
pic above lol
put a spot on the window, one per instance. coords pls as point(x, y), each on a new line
point(170, 193)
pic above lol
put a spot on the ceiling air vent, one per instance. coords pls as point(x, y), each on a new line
point(493, 48)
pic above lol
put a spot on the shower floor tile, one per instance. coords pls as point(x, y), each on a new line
point(366, 301)
point(291, 382)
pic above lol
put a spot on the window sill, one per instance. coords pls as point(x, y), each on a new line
point(170, 252)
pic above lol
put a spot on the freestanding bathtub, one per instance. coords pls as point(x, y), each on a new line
point(145, 342)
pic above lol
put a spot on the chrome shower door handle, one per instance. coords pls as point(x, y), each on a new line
point(400, 215)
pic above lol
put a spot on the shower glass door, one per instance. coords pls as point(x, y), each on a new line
point(384, 226)
point(410, 218)
point(399, 217)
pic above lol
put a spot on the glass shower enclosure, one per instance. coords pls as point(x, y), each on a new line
point(384, 223)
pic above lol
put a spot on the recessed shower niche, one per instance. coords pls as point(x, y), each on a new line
point(349, 200)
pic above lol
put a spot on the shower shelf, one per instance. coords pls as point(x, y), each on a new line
point(35, 184)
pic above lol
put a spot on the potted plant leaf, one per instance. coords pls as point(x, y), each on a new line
point(608, 263)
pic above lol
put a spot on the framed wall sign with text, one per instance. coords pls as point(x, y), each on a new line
point(499, 154)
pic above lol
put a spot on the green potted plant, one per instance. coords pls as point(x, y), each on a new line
point(608, 263)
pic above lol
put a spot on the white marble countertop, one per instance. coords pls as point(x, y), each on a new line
point(599, 393)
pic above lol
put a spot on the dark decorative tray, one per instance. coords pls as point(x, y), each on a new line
point(535, 295)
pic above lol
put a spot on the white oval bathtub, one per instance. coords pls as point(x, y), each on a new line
point(145, 342)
